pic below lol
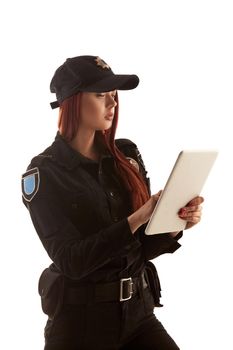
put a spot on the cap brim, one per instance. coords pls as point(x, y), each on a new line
point(114, 82)
point(110, 83)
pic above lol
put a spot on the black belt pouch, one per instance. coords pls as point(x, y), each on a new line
point(153, 281)
point(51, 291)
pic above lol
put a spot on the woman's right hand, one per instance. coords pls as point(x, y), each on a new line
point(143, 214)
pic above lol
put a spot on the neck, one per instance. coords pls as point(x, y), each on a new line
point(84, 143)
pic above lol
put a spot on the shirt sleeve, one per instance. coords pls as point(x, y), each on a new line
point(158, 244)
point(74, 256)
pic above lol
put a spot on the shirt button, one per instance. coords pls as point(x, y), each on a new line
point(115, 218)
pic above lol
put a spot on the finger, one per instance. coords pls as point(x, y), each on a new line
point(193, 214)
point(194, 220)
point(191, 224)
point(183, 212)
point(192, 208)
point(188, 215)
point(196, 201)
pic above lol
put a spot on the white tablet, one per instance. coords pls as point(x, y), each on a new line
point(184, 183)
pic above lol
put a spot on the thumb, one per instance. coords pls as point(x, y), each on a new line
point(157, 195)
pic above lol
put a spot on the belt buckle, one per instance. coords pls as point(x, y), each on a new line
point(130, 288)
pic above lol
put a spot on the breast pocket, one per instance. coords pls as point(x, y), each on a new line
point(80, 209)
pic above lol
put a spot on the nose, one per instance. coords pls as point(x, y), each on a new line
point(111, 102)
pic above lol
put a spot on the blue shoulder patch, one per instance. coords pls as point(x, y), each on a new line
point(30, 184)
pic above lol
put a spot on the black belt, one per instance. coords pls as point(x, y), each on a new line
point(121, 290)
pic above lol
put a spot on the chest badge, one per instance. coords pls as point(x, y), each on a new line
point(30, 184)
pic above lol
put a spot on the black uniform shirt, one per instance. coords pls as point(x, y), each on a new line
point(79, 209)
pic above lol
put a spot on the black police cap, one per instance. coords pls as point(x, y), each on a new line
point(90, 74)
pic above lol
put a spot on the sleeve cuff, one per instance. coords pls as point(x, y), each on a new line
point(122, 239)
point(178, 236)
point(172, 244)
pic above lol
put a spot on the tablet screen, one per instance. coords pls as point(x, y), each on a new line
point(185, 182)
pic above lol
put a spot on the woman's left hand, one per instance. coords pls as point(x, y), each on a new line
point(192, 212)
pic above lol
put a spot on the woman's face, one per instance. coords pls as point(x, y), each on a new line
point(97, 110)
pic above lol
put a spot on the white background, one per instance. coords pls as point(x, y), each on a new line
point(182, 52)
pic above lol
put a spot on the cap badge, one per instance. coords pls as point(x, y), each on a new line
point(101, 63)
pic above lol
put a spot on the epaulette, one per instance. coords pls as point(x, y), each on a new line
point(39, 159)
point(123, 145)
point(130, 150)
point(124, 142)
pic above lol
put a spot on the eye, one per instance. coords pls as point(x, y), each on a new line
point(103, 95)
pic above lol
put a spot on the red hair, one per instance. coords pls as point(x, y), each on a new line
point(132, 179)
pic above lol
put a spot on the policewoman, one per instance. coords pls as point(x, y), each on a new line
point(89, 199)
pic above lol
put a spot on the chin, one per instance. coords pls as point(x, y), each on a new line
point(104, 128)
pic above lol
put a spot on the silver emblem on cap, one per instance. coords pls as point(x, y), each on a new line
point(101, 63)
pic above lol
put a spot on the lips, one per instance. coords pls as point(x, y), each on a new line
point(109, 116)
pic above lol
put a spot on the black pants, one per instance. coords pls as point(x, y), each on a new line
point(113, 325)
point(154, 337)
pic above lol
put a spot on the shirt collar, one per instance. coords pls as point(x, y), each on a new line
point(66, 156)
